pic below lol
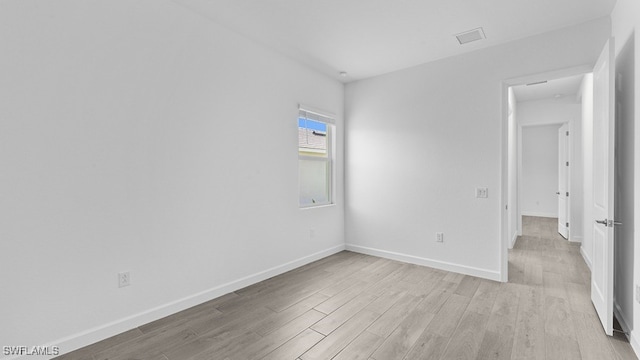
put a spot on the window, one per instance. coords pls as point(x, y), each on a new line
point(315, 158)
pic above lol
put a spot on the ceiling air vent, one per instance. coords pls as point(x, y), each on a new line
point(537, 83)
point(471, 35)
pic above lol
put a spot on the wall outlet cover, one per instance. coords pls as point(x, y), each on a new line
point(482, 192)
point(124, 279)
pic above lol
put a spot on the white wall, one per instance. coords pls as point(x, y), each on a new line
point(514, 227)
point(138, 136)
point(420, 140)
point(566, 109)
point(625, 24)
point(624, 181)
point(540, 170)
point(549, 111)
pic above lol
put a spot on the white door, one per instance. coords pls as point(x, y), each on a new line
point(603, 171)
point(563, 188)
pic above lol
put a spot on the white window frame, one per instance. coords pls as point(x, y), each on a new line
point(329, 120)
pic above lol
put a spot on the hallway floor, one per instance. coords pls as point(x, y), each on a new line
point(556, 310)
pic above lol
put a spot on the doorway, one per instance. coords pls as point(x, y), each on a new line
point(548, 152)
point(535, 103)
point(598, 142)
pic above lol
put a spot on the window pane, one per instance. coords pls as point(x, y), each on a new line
point(312, 137)
point(314, 182)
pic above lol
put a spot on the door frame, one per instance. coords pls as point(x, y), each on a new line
point(564, 155)
point(504, 154)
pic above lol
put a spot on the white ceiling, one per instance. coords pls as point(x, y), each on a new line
point(555, 88)
point(371, 37)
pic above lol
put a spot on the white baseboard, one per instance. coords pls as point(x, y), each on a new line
point(632, 336)
point(462, 269)
point(586, 258)
point(539, 214)
point(635, 342)
point(575, 239)
point(105, 331)
point(617, 311)
point(513, 240)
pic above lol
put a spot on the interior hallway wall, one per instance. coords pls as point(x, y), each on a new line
point(540, 171)
point(624, 183)
point(625, 24)
point(566, 109)
point(514, 227)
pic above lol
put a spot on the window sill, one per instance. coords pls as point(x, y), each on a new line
point(317, 206)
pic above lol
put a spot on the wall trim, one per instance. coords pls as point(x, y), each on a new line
point(635, 342)
point(586, 258)
point(513, 240)
point(619, 314)
point(575, 239)
point(539, 214)
point(105, 331)
point(631, 335)
point(442, 265)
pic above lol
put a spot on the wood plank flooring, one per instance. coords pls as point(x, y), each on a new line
point(354, 306)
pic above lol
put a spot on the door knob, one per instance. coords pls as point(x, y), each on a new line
point(557, 192)
point(609, 223)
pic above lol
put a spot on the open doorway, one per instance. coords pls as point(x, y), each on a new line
point(548, 154)
point(531, 104)
point(604, 148)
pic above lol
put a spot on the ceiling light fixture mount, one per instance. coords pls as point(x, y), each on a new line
point(343, 74)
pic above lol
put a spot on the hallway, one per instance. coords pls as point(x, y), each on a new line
point(556, 319)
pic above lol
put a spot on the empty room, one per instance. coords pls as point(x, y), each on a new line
point(307, 179)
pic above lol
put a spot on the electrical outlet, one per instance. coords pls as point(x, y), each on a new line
point(638, 293)
point(482, 193)
point(124, 279)
point(439, 237)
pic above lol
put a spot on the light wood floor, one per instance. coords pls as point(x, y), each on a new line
point(353, 306)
